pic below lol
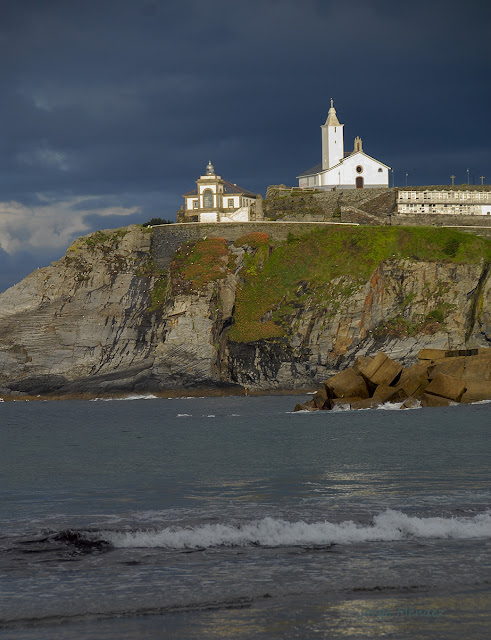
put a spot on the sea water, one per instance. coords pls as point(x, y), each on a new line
point(237, 518)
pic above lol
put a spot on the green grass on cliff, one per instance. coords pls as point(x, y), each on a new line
point(105, 239)
point(308, 265)
point(158, 295)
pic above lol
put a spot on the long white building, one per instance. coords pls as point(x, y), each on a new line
point(470, 202)
point(343, 170)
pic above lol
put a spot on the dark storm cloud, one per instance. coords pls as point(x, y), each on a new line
point(127, 100)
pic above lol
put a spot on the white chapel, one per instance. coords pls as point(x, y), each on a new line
point(343, 170)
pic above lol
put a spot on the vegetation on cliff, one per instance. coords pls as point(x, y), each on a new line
point(197, 264)
point(115, 314)
point(254, 240)
point(328, 265)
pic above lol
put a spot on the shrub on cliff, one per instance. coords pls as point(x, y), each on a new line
point(197, 264)
point(254, 240)
point(156, 221)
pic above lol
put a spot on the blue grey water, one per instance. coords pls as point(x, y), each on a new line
point(233, 517)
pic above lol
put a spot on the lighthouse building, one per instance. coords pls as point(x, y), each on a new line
point(217, 200)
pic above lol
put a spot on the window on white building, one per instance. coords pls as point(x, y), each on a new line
point(230, 203)
point(195, 204)
point(208, 199)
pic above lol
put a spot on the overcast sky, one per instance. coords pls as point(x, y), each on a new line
point(110, 109)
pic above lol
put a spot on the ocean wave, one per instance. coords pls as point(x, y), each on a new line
point(271, 532)
point(298, 412)
point(148, 396)
point(391, 406)
point(387, 406)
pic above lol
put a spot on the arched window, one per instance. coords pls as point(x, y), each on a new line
point(208, 199)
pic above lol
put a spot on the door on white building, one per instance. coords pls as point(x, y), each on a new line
point(359, 182)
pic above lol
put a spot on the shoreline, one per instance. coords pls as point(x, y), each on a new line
point(206, 392)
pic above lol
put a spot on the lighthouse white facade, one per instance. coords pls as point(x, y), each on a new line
point(217, 200)
point(343, 170)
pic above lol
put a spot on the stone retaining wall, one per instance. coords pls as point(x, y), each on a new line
point(287, 204)
point(169, 237)
point(362, 206)
point(481, 225)
point(439, 220)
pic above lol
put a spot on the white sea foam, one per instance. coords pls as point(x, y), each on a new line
point(271, 532)
point(417, 405)
point(341, 407)
point(184, 415)
point(148, 396)
point(301, 411)
point(391, 406)
point(388, 406)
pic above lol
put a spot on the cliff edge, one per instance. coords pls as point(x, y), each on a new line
point(252, 312)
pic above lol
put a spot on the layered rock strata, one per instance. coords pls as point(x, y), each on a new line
point(105, 318)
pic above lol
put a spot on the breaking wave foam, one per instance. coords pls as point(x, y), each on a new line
point(148, 396)
point(270, 532)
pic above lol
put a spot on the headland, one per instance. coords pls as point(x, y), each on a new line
point(264, 306)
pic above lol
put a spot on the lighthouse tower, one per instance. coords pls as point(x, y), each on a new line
point(332, 140)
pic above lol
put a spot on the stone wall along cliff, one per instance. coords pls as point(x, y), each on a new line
point(361, 206)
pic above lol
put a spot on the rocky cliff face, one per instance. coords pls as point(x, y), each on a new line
point(105, 319)
point(401, 309)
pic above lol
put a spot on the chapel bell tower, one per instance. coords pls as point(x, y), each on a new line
point(332, 140)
